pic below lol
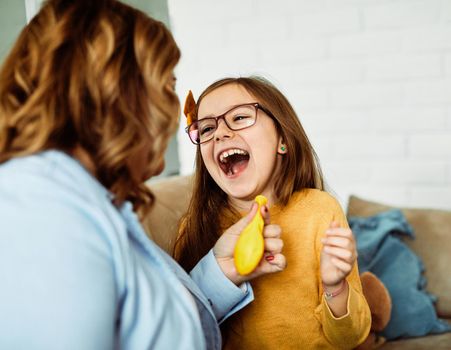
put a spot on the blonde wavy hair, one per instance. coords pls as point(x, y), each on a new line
point(96, 75)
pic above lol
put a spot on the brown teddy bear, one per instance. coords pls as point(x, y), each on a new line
point(379, 302)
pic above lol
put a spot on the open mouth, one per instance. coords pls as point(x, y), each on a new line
point(233, 161)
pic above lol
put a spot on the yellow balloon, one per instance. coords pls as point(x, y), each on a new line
point(250, 246)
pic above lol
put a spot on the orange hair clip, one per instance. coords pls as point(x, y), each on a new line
point(190, 107)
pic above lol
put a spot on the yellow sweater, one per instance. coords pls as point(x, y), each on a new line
point(289, 310)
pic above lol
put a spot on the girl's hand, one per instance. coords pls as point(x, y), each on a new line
point(338, 255)
point(272, 261)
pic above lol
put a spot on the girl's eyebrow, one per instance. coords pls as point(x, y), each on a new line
point(206, 116)
point(227, 110)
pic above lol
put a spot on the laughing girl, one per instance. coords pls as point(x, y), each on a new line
point(249, 142)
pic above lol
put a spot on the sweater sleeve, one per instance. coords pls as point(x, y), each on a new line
point(351, 329)
point(225, 297)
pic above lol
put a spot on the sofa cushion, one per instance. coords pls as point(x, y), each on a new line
point(436, 342)
point(432, 230)
point(172, 197)
point(382, 252)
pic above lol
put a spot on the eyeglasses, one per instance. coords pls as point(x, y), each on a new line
point(238, 118)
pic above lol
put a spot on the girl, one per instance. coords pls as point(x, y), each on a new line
point(251, 142)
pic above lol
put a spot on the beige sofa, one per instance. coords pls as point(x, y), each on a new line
point(432, 244)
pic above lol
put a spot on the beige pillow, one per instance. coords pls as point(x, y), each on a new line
point(172, 197)
point(432, 230)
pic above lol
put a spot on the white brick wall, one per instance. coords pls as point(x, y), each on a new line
point(370, 80)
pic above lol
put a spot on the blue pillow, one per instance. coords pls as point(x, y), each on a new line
point(382, 252)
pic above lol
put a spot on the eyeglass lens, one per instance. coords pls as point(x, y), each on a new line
point(237, 118)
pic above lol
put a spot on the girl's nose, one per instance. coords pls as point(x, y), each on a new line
point(223, 131)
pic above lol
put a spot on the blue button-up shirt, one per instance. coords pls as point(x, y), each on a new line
point(78, 273)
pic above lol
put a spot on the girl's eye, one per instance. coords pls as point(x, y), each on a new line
point(206, 130)
point(237, 118)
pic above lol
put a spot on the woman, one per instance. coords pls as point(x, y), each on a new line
point(87, 106)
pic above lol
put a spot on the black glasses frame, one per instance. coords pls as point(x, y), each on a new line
point(222, 116)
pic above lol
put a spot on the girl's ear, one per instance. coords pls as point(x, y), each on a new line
point(282, 147)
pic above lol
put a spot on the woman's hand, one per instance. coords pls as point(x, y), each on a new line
point(337, 256)
point(272, 261)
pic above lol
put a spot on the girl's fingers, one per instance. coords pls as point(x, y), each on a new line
point(239, 226)
point(344, 266)
point(273, 245)
point(341, 242)
point(272, 231)
point(265, 214)
point(334, 224)
point(339, 231)
point(274, 263)
point(344, 254)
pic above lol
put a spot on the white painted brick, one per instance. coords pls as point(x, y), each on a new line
point(408, 173)
point(195, 38)
point(308, 124)
point(389, 195)
point(432, 146)
point(406, 119)
point(290, 6)
point(336, 121)
point(447, 63)
point(177, 9)
point(203, 79)
point(195, 28)
point(307, 99)
point(345, 173)
point(369, 146)
point(367, 95)
point(365, 43)
point(446, 11)
point(330, 23)
point(237, 57)
point(381, 139)
point(276, 74)
point(396, 67)
point(201, 10)
point(431, 197)
point(401, 14)
point(186, 149)
point(428, 92)
point(293, 50)
point(236, 61)
point(343, 4)
point(323, 146)
point(340, 193)
point(430, 38)
point(334, 4)
point(243, 32)
point(330, 72)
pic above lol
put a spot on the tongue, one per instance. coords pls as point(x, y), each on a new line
point(238, 166)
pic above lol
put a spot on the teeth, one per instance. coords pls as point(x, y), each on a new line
point(223, 156)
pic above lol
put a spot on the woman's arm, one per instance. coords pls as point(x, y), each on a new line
point(224, 296)
point(58, 285)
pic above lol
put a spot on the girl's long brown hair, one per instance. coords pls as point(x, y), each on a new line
point(200, 227)
point(97, 75)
